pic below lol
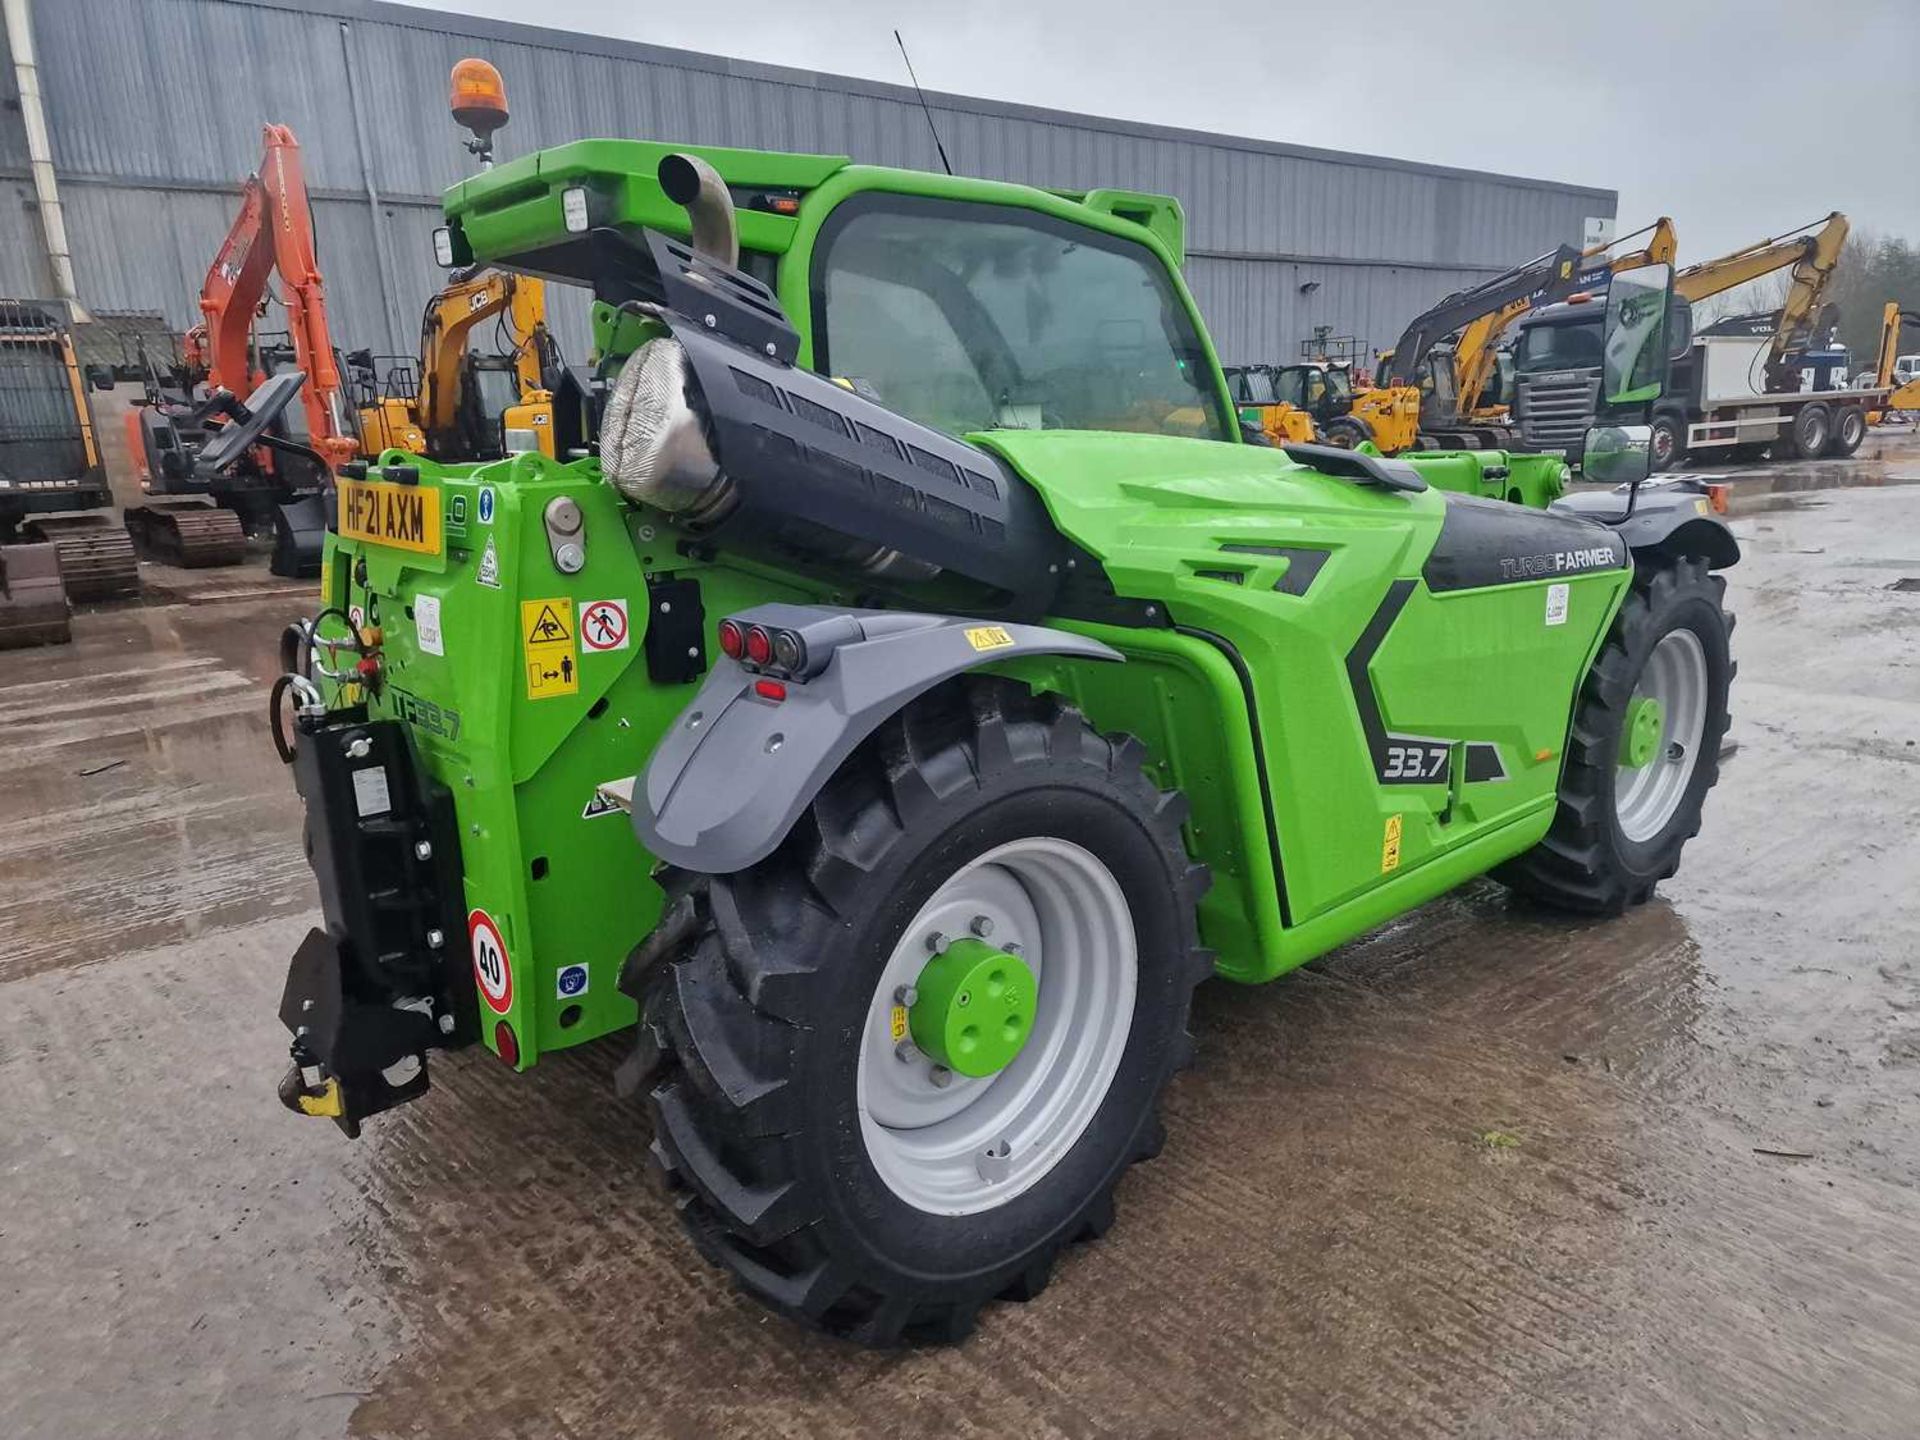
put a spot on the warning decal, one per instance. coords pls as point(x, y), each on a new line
point(603, 625)
point(1390, 846)
point(489, 572)
point(989, 637)
point(553, 663)
point(492, 970)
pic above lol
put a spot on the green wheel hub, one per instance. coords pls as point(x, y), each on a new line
point(974, 1008)
point(1640, 738)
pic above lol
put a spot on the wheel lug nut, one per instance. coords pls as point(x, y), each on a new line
point(937, 942)
point(904, 1052)
point(941, 1076)
point(983, 925)
point(906, 995)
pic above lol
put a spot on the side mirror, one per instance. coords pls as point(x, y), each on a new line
point(1618, 454)
point(1634, 363)
point(100, 377)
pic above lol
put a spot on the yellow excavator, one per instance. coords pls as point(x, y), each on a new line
point(467, 404)
point(1449, 399)
point(1735, 395)
point(1899, 396)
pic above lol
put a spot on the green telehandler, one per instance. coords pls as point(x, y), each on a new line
point(913, 686)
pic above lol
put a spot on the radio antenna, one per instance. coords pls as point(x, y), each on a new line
point(945, 163)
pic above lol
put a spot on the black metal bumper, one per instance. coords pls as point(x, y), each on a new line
point(385, 979)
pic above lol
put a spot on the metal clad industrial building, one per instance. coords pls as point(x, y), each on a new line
point(155, 109)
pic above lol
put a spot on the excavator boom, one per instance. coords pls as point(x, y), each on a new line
point(1474, 354)
point(1812, 254)
point(1553, 272)
point(273, 231)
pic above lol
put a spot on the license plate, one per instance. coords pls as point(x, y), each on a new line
point(406, 517)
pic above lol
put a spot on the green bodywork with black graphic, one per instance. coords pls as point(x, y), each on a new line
point(1353, 737)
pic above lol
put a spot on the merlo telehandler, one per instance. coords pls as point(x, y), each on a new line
point(916, 690)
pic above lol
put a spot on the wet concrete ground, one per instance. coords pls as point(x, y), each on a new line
point(1489, 1172)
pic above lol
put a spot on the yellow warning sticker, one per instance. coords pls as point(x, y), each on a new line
point(1703, 507)
point(1390, 846)
point(898, 1025)
point(552, 654)
point(989, 637)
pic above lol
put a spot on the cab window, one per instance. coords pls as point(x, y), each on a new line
point(971, 317)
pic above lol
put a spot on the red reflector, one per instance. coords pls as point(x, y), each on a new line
point(368, 667)
point(733, 644)
point(785, 205)
point(507, 1043)
point(1717, 497)
point(770, 689)
point(759, 645)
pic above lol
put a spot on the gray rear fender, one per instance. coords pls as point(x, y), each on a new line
point(1671, 519)
point(726, 784)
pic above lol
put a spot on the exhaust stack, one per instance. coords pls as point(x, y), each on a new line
point(695, 185)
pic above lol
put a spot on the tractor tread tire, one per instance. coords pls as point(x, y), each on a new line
point(1583, 864)
point(735, 1127)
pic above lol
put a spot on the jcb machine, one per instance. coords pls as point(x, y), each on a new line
point(1731, 398)
point(58, 541)
point(468, 404)
point(969, 691)
point(200, 510)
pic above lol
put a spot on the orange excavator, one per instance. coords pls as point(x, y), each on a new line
point(215, 465)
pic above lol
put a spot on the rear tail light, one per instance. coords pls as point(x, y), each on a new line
point(759, 645)
point(1717, 497)
point(507, 1043)
point(774, 690)
point(733, 640)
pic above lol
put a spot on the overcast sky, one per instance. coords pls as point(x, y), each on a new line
point(1739, 118)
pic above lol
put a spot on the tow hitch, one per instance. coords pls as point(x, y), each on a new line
point(382, 981)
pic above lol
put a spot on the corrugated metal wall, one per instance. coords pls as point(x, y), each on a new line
point(156, 107)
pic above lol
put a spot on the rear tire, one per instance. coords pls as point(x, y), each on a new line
point(1849, 430)
point(1807, 434)
point(1619, 829)
point(769, 1116)
point(1669, 443)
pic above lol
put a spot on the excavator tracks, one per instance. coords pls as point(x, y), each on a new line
point(96, 556)
point(33, 602)
point(192, 534)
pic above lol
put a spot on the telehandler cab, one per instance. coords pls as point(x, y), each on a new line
point(922, 626)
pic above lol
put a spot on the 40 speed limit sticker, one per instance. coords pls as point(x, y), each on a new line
point(491, 967)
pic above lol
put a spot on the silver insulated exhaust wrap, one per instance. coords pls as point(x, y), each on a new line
point(653, 443)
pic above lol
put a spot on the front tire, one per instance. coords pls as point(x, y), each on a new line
point(1620, 826)
point(838, 1178)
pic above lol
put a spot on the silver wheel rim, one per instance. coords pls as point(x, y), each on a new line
point(974, 1144)
point(1646, 796)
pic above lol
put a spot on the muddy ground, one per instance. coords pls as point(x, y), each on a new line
point(1489, 1172)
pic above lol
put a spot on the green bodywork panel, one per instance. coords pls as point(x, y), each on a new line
point(565, 887)
point(1245, 701)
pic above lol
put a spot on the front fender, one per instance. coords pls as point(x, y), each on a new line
point(1675, 518)
point(753, 748)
